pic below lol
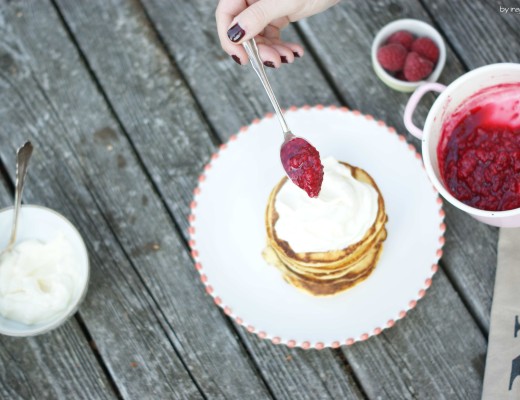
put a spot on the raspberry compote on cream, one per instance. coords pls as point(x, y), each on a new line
point(479, 150)
point(302, 164)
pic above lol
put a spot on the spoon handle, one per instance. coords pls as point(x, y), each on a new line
point(252, 51)
point(22, 162)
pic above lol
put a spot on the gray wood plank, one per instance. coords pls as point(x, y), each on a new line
point(59, 364)
point(139, 102)
point(344, 46)
point(478, 31)
point(85, 168)
point(436, 352)
point(46, 100)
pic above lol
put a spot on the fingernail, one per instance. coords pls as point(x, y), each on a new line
point(296, 54)
point(236, 59)
point(235, 33)
point(269, 64)
point(284, 59)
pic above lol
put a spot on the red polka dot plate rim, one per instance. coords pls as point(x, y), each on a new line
point(227, 231)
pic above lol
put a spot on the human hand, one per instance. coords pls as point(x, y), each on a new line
point(241, 20)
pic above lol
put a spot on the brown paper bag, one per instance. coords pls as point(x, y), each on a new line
point(502, 376)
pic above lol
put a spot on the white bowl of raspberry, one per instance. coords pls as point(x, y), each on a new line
point(407, 53)
point(471, 142)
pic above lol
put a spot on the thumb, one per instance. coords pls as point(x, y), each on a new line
point(256, 17)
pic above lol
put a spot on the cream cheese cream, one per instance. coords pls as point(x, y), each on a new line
point(339, 217)
point(38, 281)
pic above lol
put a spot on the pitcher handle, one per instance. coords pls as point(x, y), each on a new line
point(412, 105)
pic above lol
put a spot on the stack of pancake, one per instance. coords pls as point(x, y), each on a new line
point(330, 272)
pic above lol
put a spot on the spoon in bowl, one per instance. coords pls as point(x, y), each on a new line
point(300, 160)
point(23, 156)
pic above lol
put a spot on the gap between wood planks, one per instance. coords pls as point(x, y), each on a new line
point(484, 330)
point(163, 317)
point(97, 355)
point(216, 141)
point(4, 176)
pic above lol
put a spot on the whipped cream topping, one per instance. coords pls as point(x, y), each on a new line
point(38, 281)
point(340, 216)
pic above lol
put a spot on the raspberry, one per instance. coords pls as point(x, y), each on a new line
point(426, 48)
point(302, 164)
point(392, 57)
point(404, 38)
point(416, 67)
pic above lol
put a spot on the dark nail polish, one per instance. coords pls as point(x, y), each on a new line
point(235, 33)
point(296, 54)
point(269, 64)
point(236, 59)
point(284, 59)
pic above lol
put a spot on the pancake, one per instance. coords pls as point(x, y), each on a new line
point(329, 272)
point(320, 287)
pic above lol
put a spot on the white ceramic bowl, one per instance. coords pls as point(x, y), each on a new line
point(459, 92)
point(418, 28)
point(43, 224)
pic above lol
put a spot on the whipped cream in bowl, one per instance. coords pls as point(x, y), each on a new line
point(339, 217)
point(44, 278)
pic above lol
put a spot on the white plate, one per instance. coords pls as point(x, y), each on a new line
point(228, 232)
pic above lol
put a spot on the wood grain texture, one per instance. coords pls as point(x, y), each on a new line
point(59, 364)
point(139, 103)
point(48, 96)
point(436, 352)
point(344, 45)
point(479, 32)
point(230, 95)
point(141, 226)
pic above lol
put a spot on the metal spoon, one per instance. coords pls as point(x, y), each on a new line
point(292, 144)
point(23, 155)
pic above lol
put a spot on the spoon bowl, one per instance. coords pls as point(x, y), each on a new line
point(300, 159)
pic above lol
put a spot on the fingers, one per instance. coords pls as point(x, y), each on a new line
point(295, 48)
point(253, 19)
point(286, 55)
point(224, 14)
point(273, 52)
point(272, 33)
point(269, 56)
point(239, 20)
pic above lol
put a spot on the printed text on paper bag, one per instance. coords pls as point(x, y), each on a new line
point(515, 366)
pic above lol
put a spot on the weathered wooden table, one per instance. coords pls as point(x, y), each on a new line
point(125, 101)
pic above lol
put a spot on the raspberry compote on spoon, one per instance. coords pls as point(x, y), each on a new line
point(300, 160)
